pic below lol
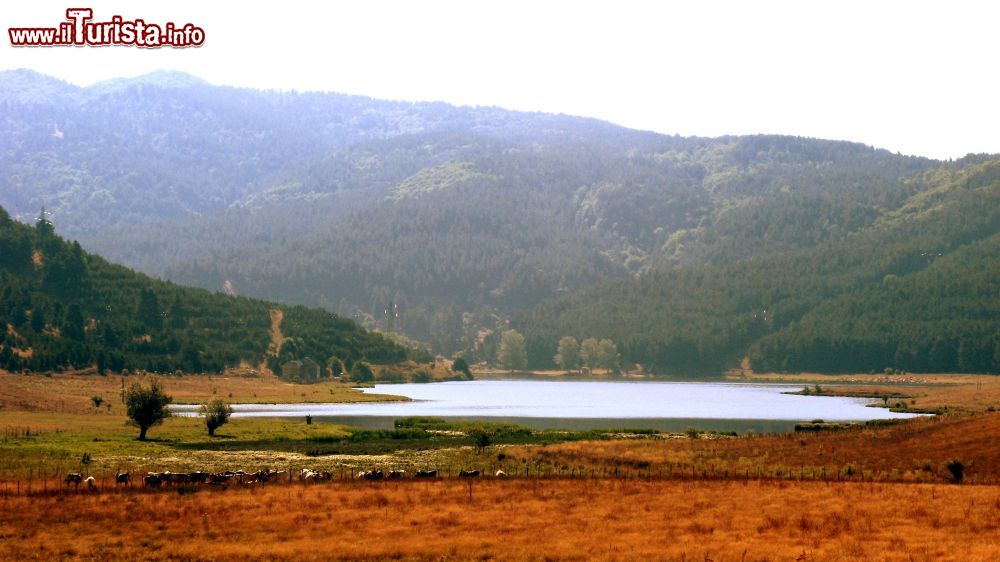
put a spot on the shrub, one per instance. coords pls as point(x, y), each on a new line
point(481, 439)
point(216, 412)
point(362, 372)
point(391, 375)
point(957, 470)
point(460, 365)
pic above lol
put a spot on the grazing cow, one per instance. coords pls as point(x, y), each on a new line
point(74, 478)
point(123, 478)
point(262, 475)
point(152, 480)
point(376, 474)
point(500, 474)
point(307, 475)
point(468, 473)
point(198, 477)
point(425, 474)
point(180, 478)
point(220, 478)
point(397, 474)
point(91, 483)
point(268, 475)
point(325, 475)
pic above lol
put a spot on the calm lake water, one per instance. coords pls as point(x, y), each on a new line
point(589, 404)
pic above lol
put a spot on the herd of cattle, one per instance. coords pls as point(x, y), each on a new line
point(158, 479)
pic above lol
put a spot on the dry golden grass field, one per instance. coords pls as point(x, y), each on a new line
point(515, 519)
point(913, 451)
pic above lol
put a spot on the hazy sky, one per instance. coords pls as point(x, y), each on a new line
point(911, 77)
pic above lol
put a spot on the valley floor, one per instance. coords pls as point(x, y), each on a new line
point(876, 492)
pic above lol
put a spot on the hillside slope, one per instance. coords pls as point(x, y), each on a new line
point(458, 231)
point(454, 217)
point(915, 290)
point(445, 222)
point(62, 308)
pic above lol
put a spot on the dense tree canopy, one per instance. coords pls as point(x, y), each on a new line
point(915, 291)
point(106, 316)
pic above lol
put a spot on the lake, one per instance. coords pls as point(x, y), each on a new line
point(670, 406)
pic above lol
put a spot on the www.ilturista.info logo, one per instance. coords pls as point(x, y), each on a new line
point(79, 30)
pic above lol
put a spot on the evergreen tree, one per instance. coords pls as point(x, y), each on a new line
point(148, 312)
point(73, 325)
point(43, 225)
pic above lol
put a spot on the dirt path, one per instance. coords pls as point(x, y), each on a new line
point(277, 338)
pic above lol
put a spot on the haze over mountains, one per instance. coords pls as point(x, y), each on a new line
point(447, 222)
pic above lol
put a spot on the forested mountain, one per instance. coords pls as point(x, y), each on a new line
point(169, 145)
point(445, 222)
point(460, 230)
point(61, 308)
point(918, 289)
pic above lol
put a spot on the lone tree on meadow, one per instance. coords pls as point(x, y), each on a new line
point(146, 405)
point(216, 412)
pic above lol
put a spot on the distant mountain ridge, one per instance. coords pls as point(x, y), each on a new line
point(194, 147)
